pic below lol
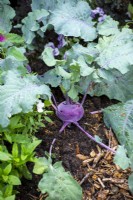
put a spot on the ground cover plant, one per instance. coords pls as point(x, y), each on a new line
point(92, 54)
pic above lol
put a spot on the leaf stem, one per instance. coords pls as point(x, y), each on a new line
point(85, 95)
point(64, 126)
point(92, 138)
point(54, 99)
point(51, 147)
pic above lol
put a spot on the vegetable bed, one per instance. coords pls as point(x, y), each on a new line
point(66, 100)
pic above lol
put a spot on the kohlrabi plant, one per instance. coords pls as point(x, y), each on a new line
point(92, 55)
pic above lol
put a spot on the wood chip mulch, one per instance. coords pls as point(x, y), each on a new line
point(107, 181)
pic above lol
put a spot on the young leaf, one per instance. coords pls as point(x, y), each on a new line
point(6, 14)
point(48, 57)
point(41, 165)
point(108, 27)
point(5, 156)
point(14, 180)
point(7, 169)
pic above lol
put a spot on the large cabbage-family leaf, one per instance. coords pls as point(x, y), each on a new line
point(89, 53)
point(110, 83)
point(116, 52)
point(50, 77)
point(30, 24)
point(59, 184)
point(115, 85)
point(108, 27)
point(6, 14)
point(74, 20)
point(130, 182)
point(48, 5)
point(120, 118)
point(19, 94)
point(43, 4)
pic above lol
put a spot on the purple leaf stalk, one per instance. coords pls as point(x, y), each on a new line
point(2, 38)
point(70, 112)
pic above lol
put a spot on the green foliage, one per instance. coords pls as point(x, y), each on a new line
point(13, 161)
point(31, 24)
point(48, 57)
point(121, 158)
point(130, 182)
point(74, 20)
point(122, 113)
point(108, 27)
point(6, 15)
point(19, 94)
point(116, 52)
point(57, 183)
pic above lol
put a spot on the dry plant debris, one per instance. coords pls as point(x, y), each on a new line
point(105, 179)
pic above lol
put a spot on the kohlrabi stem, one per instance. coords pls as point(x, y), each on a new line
point(84, 97)
point(51, 147)
point(92, 138)
point(54, 99)
point(67, 99)
point(54, 106)
point(64, 126)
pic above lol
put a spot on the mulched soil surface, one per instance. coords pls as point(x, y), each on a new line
point(91, 165)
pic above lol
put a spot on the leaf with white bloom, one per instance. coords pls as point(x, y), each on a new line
point(50, 77)
point(122, 113)
point(108, 27)
point(30, 24)
point(73, 20)
point(130, 182)
point(116, 52)
point(6, 14)
point(121, 158)
point(48, 57)
point(89, 53)
point(113, 84)
point(48, 5)
point(62, 72)
point(19, 94)
point(59, 184)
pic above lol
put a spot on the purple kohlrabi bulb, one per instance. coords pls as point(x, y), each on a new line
point(2, 38)
point(61, 40)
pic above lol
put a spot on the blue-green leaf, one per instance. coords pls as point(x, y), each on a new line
point(60, 184)
point(121, 158)
point(74, 20)
point(116, 52)
point(19, 94)
point(108, 27)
